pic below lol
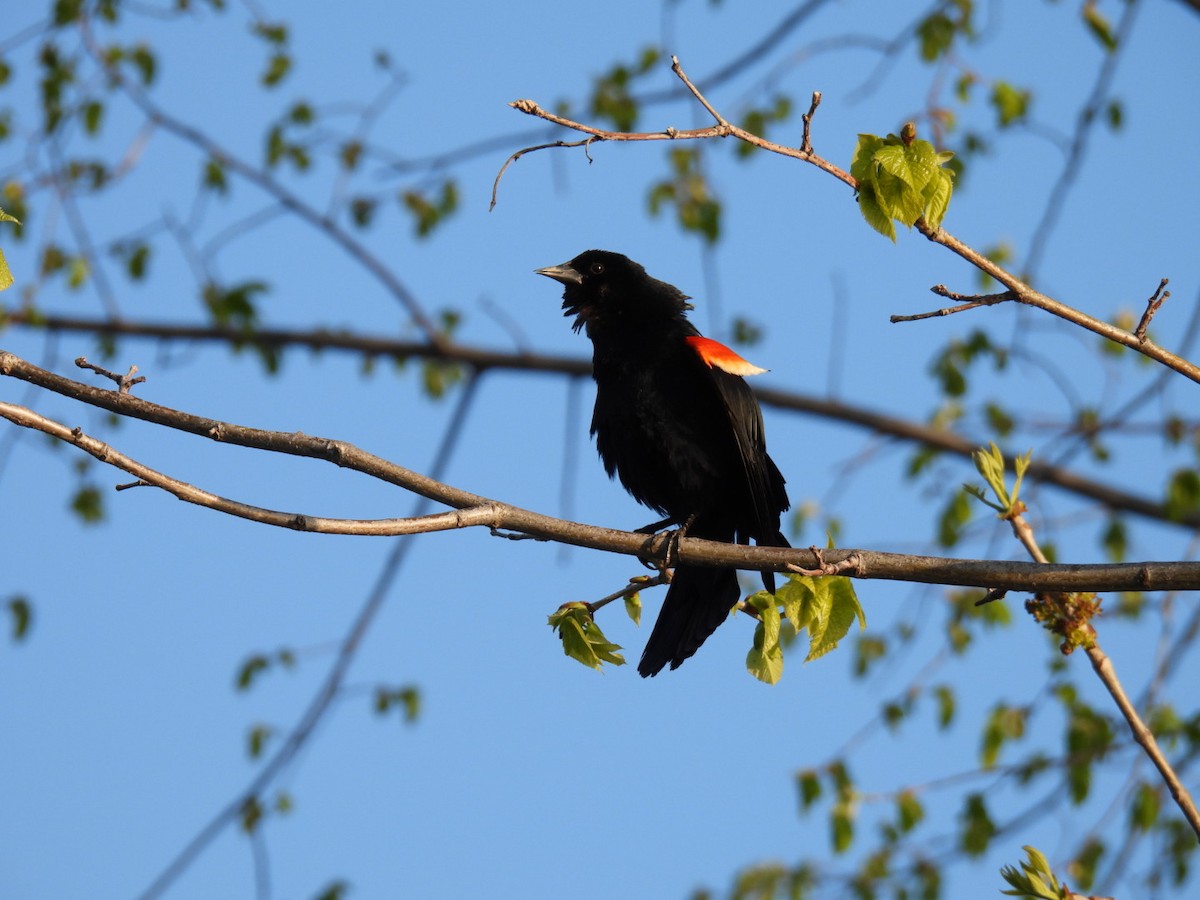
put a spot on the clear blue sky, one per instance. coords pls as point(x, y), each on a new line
point(527, 774)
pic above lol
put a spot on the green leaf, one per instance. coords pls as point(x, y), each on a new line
point(582, 638)
point(214, 176)
point(977, 827)
point(88, 505)
point(145, 62)
point(1082, 868)
point(945, 702)
point(765, 659)
point(407, 699)
point(937, 196)
point(278, 67)
point(22, 617)
point(1005, 723)
point(1115, 539)
point(1183, 494)
point(809, 785)
point(841, 821)
point(633, 608)
point(1034, 880)
point(1011, 103)
point(93, 113)
point(835, 608)
point(901, 179)
point(336, 890)
point(1144, 807)
point(935, 34)
point(909, 811)
point(954, 518)
point(256, 741)
point(250, 814)
point(1098, 24)
point(6, 276)
point(869, 206)
point(250, 670)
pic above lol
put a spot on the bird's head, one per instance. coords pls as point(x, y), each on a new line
point(601, 287)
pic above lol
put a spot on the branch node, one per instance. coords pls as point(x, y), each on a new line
point(124, 382)
point(806, 141)
point(1157, 299)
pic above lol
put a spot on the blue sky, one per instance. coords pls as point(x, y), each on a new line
point(527, 774)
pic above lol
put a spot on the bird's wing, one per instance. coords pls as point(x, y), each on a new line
point(745, 418)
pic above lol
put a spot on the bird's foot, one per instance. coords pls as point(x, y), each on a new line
point(671, 548)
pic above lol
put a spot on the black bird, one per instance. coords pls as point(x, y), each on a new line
point(677, 424)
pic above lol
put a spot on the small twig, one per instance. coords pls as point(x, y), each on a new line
point(992, 595)
point(806, 140)
point(1157, 299)
point(512, 159)
point(965, 301)
point(132, 484)
point(678, 70)
point(722, 129)
point(636, 584)
point(123, 382)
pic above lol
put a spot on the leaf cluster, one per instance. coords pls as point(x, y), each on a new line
point(901, 179)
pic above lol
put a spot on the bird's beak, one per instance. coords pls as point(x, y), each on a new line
point(563, 273)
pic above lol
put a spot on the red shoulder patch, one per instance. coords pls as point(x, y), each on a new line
point(717, 356)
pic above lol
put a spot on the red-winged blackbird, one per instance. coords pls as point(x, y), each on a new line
point(677, 424)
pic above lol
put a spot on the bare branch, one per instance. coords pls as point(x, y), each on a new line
point(1028, 296)
point(678, 70)
point(512, 159)
point(1157, 299)
point(481, 360)
point(692, 551)
point(1107, 674)
point(458, 518)
point(1022, 292)
point(124, 382)
point(967, 301)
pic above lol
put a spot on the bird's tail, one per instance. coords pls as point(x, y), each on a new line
point(698, 600)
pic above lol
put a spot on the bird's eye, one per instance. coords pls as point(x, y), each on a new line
point(597, 268)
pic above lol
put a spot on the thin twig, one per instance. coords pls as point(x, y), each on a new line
point(1157, 299)
point(806, 139)
point(678, 70)
point(124, 382)
point(1144, 736)
point(512, 159)
point(636, 585)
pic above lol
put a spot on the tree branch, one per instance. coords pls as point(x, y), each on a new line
point(866, 564)
point(1107, 673)
point(1022, 292)
point(481, 359)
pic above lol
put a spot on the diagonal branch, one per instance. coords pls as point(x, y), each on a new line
point(481, 359)
point(1021, 291)
point(457, 518)
point(856, 563)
